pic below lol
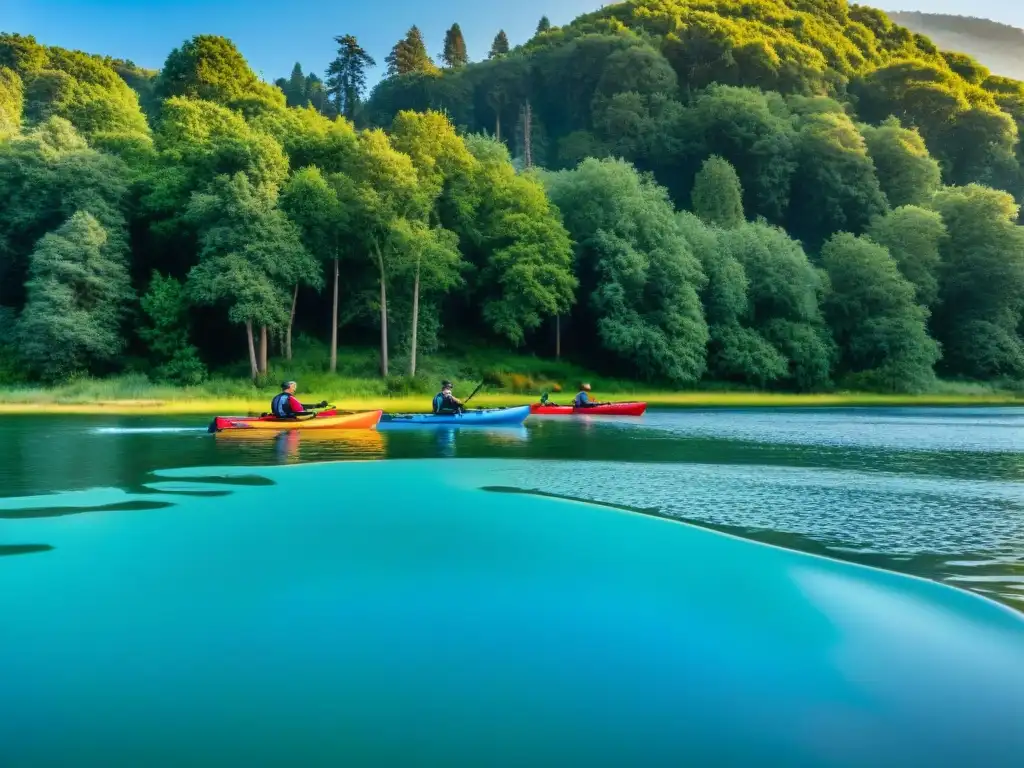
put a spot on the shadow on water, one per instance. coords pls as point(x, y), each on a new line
point(37, 512)
point(8, 550)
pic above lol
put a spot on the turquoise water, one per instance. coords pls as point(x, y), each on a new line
point(176, 599)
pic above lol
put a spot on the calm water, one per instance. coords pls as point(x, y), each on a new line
point(172, 598)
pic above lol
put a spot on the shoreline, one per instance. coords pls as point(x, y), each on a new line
point(191, 406)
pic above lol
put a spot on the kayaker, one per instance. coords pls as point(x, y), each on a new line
point(445, 402)
point(287, 406)
point(582, 399)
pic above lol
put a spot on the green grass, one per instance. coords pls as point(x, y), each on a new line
point(512, 379)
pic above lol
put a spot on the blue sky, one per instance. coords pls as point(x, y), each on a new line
point(274, 35)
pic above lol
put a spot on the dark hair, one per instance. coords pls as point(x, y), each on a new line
point(286, 384)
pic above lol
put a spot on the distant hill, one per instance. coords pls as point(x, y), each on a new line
point(999, 47)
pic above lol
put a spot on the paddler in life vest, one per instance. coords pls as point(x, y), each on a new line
point(582, 400)
point(445, 402)
point(286, 406)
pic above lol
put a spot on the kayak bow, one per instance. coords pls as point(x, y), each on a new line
point(324, 420)
point(605, 409)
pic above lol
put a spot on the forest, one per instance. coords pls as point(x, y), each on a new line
point(792, 195)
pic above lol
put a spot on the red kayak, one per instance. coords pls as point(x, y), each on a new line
point(604, 409)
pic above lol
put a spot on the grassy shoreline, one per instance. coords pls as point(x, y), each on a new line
point(191, 403)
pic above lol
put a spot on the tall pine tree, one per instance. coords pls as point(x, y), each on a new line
point(317, 96)
point(410, 55)
point(500, 45)
point(346, 75)
point(544, 25)
point(454, 55)
point(295, 91)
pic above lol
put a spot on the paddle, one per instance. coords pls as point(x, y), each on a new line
point(478, 387)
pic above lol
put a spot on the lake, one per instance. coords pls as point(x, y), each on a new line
point(513, 596)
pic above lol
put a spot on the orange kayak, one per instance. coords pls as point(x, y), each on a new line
point(323, 420)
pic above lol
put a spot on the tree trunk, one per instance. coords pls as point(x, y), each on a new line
point(252, 351)
point(291, 322)
point(415, 319)
point(527, 135)
point(334, 322)
point(263, 349)
point(383, 316)
point(558, 337)
point(497, 125)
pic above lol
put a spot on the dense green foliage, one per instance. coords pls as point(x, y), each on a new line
point(717, 195)
point(639, 272)
point(776, 194)
point(77, 290)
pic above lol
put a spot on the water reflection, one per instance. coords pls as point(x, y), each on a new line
point(294, 446)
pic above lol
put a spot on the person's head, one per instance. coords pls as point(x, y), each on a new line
point(446, 387)
point(585, 387)
point(289, 387)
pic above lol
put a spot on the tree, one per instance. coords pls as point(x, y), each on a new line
point(410, 55)
point(317, 96)
point(783, 295)
point(906, 172)
point(11, 101)
point(875, 318)
point(544, 25)
point(500, 46)
point(835, 187)
point(309, 138)
point(166, 331)
point(46, 176)
point(521, 252)
point(77, 294)
point(454, 55)
point(981, 283)
point(295, 87)
point(211, 68)
point(717, 195)
point(641, 279)
point(761, 302)
point(249, 258)
point(312, 204)
point(382, 191)
point(914, 237)
point(750, 129)
point(442, 161)
point(432, 256)
point(346, 76)
point(197, 141)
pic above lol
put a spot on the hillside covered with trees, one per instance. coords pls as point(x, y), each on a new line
point(778, 194)
point(998, 46)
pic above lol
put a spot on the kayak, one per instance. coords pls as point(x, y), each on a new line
point(485, 417)
point(605, 409)
point(330, 419)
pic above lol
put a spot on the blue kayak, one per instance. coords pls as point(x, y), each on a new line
point(485, 417)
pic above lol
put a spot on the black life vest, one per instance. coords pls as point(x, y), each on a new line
point(279, 406)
